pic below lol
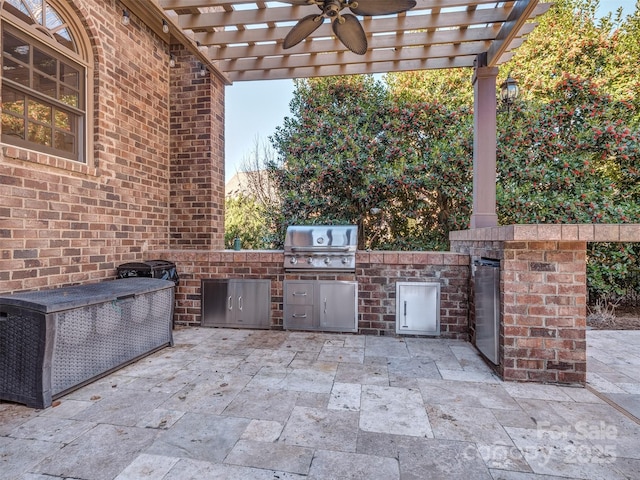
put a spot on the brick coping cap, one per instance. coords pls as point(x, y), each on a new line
point(585, 232)
point(195, 251)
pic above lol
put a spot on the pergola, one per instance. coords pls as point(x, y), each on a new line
point(242, 41)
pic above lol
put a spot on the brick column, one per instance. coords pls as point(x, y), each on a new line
point(543, 292)
point(197, 155)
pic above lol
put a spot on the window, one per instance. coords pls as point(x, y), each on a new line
point(43, 83)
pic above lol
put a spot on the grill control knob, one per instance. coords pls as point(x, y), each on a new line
point(327, 261)
point(309, 260)
point(345, 260)
point(293, 260)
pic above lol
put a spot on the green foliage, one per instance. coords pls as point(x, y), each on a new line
point(245, 218)
point(452, 88)
point(568, 39)
point(570, 160)
point(613, 270)
point(354, 154)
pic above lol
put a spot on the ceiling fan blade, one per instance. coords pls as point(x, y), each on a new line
point(348, 29)
point(302, 30)
point(382, 7)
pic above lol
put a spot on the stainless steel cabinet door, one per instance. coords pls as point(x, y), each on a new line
point(338, 304)
point(487, 299)
point(251, 302)
point(215, 302)
point(418, 308)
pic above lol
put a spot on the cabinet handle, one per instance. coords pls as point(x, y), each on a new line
point(229, 305)
point(240, 303)
point(295, 315)
point(405, 315)
point(325, 306)
point(299, 294)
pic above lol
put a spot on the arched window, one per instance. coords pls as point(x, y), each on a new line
point(43, 81)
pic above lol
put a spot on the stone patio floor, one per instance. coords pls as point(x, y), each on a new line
point(247, 404)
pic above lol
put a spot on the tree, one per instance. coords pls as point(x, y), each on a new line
point(246, 209)
point(244, 218)
point(354, 154)
point(254, 167)
point(452, 88)
point(569, 160)
point(569, 40)
point(332, 164)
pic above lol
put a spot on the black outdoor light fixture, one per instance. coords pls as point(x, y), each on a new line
point(165, 26)
point(172, 60)
point(509, 91)
point(203, 70)
point(125, 17)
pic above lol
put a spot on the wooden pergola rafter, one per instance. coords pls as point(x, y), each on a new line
point(243, 39)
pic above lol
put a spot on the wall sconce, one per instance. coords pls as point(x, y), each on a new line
point(165, 26)
point(509, 91)
point(125, 18)
point(203, 70)
point(172, 60)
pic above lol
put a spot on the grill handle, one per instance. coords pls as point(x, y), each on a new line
point(320, 249)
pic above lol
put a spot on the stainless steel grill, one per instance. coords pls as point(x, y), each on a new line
point(320, 248)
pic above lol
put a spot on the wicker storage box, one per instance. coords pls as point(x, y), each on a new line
point(54, 341)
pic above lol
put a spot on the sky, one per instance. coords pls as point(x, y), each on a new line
point(253, 110)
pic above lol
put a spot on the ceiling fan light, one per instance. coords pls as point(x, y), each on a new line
point(332, 9)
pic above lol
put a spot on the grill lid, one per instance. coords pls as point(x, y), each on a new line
point(321, 247)
point(321, 238)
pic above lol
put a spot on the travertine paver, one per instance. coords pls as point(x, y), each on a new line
point(100, 454)
point(266, 405)
point(615, 357)
point(330, 465)
point(200, 437)
point(398, 411)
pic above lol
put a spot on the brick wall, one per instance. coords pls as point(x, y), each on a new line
point(197, 155)
point(376, 274)
point(64, 222)
point(544, 314)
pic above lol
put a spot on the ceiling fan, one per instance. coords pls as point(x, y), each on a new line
point(346, 25)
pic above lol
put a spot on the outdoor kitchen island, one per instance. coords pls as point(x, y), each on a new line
point(313, 303)
point(376, 275)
